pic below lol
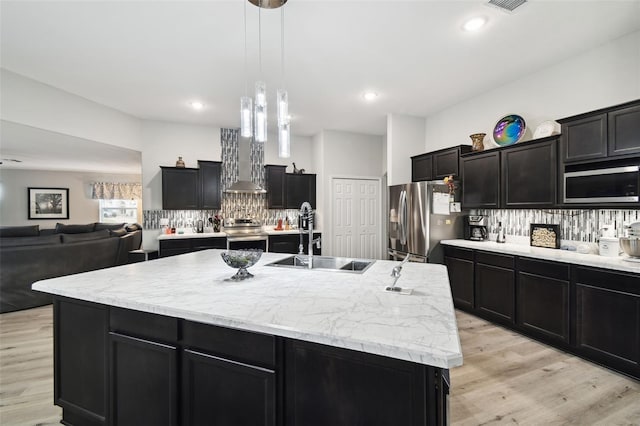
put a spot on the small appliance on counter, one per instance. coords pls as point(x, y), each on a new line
point(475, 228)
point(608, 244)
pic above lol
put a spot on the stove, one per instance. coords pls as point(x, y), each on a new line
point(245, 233)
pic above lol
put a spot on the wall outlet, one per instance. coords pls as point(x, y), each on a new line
point(455, 208)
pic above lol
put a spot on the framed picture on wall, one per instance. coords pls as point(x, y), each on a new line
point(48, 203)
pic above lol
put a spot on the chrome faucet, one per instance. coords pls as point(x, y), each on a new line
point(306, 212)
point(395, 273)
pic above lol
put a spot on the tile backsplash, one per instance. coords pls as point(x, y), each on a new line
point(575, 225)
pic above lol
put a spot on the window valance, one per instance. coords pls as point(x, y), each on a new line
point(116, 191)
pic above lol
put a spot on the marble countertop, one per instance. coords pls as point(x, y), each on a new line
point(340, 309)
point(189, 234)
point(616, 263)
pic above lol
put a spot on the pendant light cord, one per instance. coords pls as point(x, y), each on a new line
point(260, 36)
point(282, 43)
point(246, 73)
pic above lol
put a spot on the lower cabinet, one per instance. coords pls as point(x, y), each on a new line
point(188, 245)
point(290, 243)
point(495, 286)
point(608, 318)
point(461, 272)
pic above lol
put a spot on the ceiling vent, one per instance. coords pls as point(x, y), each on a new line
point(507, 5)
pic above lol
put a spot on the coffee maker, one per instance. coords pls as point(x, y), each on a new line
point(475, 228)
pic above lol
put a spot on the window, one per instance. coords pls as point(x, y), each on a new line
point(118, 211)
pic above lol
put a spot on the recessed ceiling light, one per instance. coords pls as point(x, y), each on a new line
point(197, 105)
point(474, 24)
point(370, 96)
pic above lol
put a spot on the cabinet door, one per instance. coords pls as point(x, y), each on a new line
point(209, 173)
point(174, 247)
point(208, 243)
point(608, 318)
point(624, 131)
point(80, 361)
point(445, 163)
point(495, 286)
point(461, 280)
point(585, 138)
point(284, 243)
point(179, 188)
point(481, 180)
point(275, 182)
point(421, 168)
point(300, 188)
point(143, 382)
point(217, 391)
point(543, 306)
point(529, 175)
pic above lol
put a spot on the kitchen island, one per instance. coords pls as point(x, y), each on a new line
point(172, 341)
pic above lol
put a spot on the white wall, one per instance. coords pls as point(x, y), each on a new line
point(82, 208)
point(342, 154)
point(405, 138)
point(301, 153)
point(38, 105)
point(602, 77)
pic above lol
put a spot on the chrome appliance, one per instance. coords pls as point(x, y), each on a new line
point(475, 228)
point(419, 218)
point(245, 233)
point(605, 185)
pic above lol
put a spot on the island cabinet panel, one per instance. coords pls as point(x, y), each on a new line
point(81, 362)
point(143, 382)
point(608, 318)
point(460, 266)
point(495, 286)
point(180, 188)
point(421, 167)
point(331, 386)
point(522, 188)
point(543, 299)
point(624, 131)
point(210, 176)
point(481, 180)
point(219, 391)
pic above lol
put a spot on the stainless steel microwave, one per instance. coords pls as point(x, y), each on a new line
point(611, 185)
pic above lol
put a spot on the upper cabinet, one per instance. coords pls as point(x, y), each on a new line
point(192, 189)
point(289, 190)
point(517, 176)
point(607, 133)
point(437, 165)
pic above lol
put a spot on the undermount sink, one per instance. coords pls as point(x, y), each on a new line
point(326, 263)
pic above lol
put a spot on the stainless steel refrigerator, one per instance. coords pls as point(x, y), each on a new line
point(420, 217)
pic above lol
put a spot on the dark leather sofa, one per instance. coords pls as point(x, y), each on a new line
point(28, 254)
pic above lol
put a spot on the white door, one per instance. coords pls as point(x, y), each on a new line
point(356, 218)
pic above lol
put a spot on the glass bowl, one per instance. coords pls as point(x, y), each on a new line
point(241, 260)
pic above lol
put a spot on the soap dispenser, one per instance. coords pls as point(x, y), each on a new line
point(500, 238)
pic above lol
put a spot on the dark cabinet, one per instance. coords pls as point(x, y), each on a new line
point(607, 309)
point(461, 273)
point(180, 188)
point(624, 131)
point(481, 180)
point(289, 243)
point(543, 299)
point(421, 167)
point(188, 245)
point(495, 286)
point(300, 188)
point(439, 164)
point(80, 361)
point(275, 182)
point(529, 175)
point(210, 187)
point(606, 133)
point(143, 382)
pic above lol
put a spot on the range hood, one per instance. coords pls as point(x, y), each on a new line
point(244, 185)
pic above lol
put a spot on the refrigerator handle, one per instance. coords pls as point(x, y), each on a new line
point(403, 217)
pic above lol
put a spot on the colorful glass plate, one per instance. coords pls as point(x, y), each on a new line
point(509, 130)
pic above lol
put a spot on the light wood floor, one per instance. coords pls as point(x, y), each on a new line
point(505, 379)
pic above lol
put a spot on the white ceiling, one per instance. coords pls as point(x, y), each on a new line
point(151, 58)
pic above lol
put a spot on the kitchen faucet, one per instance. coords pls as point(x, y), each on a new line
point(306, 212)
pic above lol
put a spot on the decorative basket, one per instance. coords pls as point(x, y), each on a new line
point(544, 235)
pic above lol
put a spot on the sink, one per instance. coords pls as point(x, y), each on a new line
point(326, 263)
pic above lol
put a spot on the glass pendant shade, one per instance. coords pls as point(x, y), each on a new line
point(283, 107)
point(284, 142)
point(246, 125)
point(260, 113)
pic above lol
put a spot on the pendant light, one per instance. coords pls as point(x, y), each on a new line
point(246, 105)
point(260, 108)
point(282, 97)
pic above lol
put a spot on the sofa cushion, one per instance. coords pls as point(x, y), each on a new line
point(29, 241)
point(61, 228)
point(133, 227)
point(109, 226)
point(20, 231)
point(87, 236)
point(118, 232)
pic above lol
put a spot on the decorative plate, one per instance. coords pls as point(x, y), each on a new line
point(509, 130)
point(546, 128)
